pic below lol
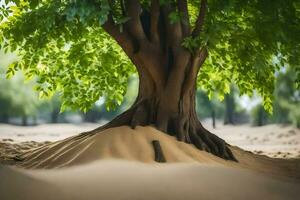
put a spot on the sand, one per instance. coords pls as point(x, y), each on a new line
point(118, 163)
point(124, 180)
point(274, 140)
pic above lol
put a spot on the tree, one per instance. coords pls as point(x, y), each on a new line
point(74, 47)
point(286, 98)
point(208, 107)
point(259, 115)
point(16, 98)
point(229, 107)
point(286, 101)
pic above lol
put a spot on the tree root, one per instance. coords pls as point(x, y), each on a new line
point(158, 153)
point(211, 143)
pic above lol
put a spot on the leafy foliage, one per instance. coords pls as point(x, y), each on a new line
point(69, 52)
point(62, 42)
point(248, 42)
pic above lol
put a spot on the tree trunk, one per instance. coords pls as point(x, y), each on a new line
point(169, 105)
point(54, 115)
point(213, 116)
point(167, 72)
point(24, 120)
point(229, 109)
point(4, 118)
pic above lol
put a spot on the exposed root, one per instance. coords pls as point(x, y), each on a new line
point(158, 153)
point(204, 140)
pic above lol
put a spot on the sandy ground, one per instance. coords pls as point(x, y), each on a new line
point(89, 167)
point(272, 140)
point(121, 180)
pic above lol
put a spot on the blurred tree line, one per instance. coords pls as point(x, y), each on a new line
point(20, 104)
point(286, 104)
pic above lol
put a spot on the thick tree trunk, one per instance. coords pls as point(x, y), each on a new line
point(167, 72)
point(170, 107)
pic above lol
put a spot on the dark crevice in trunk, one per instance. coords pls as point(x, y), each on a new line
point(170, 61)
point(162, 31)
point(136, 45)
point(145, 19)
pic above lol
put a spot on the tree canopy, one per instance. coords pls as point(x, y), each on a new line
point(63, 43)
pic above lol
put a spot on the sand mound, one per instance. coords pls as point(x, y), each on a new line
point(124, 180)
point(136, 145)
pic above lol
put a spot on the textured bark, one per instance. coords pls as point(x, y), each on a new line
point(167, 72)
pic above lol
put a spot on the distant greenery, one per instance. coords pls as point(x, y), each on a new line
point(16, 98)
point(286, 101)
point(287, 98)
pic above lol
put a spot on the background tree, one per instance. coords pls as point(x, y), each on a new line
point(73, 46)
point(17, 99)
point(287, 98)
point(230, 105)
point(286, 101)
point(209, 107)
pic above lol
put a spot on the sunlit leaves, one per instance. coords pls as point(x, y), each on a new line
point(11, 70)
point(64, 46)
point(244, 39)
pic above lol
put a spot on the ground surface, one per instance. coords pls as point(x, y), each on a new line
point(118, 164)
point(271, 140)
point(123, 180)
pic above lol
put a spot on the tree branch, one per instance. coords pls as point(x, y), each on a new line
point(134, 25)
point(122, 38)
point(185, 22)
point(173, 30)
point(200, 19)
point(129, 43)
point(197, 62)
point(154, 12)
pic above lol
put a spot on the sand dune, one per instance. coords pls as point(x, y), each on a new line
point(273, 140)
point(136, 145)
point(118, 164)
point(124, 180)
